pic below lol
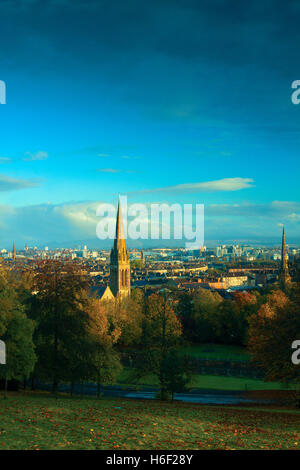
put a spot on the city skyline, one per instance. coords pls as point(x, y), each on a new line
point(181, 103)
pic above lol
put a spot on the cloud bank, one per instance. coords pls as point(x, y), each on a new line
point(66, 224)
point(225, 184)
point(8, 183)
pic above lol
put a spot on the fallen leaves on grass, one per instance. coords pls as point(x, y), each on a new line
point(42, 422)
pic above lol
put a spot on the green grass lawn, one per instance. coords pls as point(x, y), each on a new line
point(214, 382)
point(211, 352)
point(219, 382)
point(221, 352)
point(39, 421)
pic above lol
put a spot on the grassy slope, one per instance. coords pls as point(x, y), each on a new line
point(43, 422)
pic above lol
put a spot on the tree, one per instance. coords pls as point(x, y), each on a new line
point(245, 299)
point(16, 330)
point(230, 324)
point(137, 264)
point(59, 309)
point(161, 332)
point(177, 370)
point(272, 331)
point(184, 309)
point(104, 361)
point(127, 315)
point(197, 311)
point(20, 353)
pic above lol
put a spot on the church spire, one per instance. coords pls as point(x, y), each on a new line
point(142, 258)
point(284, 269)
point(119, 225)
point(284, 264)
point(14, 255)
point(119, 260)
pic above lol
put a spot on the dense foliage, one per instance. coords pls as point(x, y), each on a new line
point(56, 331)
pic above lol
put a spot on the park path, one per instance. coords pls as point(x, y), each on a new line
point(201, 396)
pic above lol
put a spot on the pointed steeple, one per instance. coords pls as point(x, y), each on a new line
point(284, 260)
point(284, 274)
point(119, 260)
point(14, 255)
point(143, 258)
point(119, 225)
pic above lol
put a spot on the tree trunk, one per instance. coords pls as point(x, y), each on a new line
point(54, 385)
point(163, 391)
point(55, 350)
point(72, 388)
point(298, 398)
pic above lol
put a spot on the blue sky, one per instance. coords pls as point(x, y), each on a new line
point(152, 99)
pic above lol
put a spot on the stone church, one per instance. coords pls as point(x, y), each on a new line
point(119, 285)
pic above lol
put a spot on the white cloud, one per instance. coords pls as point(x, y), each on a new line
point(46, 223)
point(128, 157)
point(8, 183)
point(108, 170)
point(294, 217)
point(225, 184)
point(40, 155)
point(76, 221)
point(274, 209)
point(80, 214)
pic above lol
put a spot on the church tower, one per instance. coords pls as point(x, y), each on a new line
point(284, 274)
point(119, 261)
point(14, 255)
point(142, 258)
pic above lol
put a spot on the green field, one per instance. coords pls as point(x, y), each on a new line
point(39, 421)
point(214, 352)
point(212, 382)
point(217, 352)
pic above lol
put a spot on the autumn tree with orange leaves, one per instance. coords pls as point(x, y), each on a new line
point(104, 361)
point(272, 331)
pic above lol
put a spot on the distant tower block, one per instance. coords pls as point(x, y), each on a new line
point(14, 255)
point(119, 261)
point(143, 258)
point(284, 274)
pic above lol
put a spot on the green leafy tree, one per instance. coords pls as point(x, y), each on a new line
point(137, 264)
point(197, 311)
point(127, 315)
point(178, 371)
point(185, 309)
point(230, 324)
point(161, 333)
point(59, 309)
point(16, 330)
